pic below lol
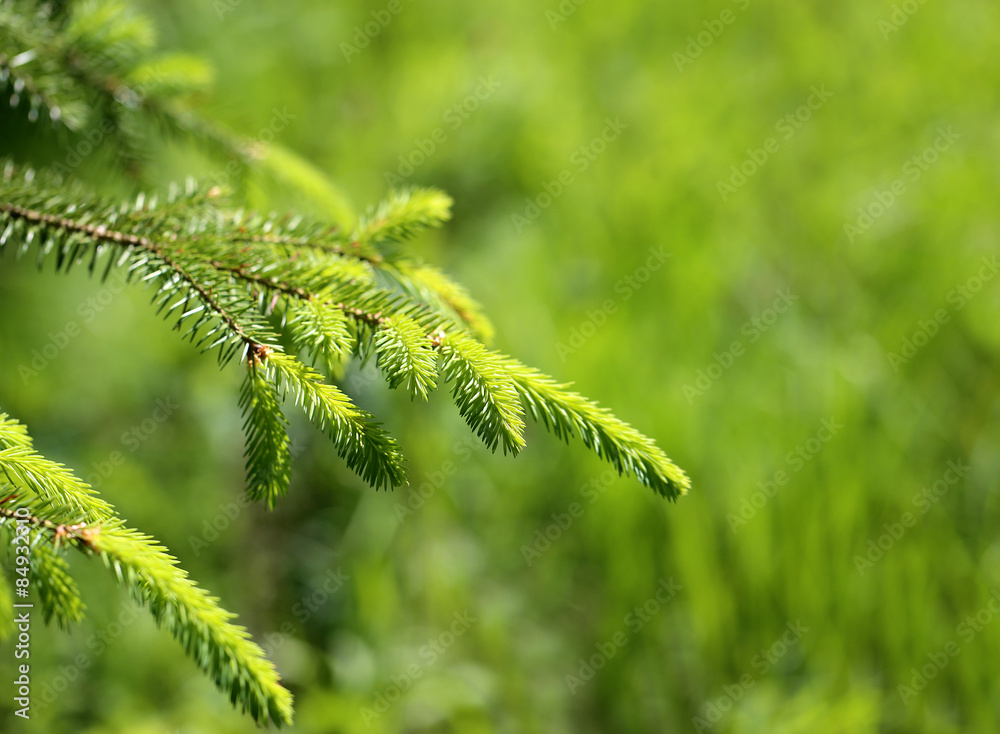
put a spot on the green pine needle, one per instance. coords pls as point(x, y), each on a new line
point(404, 213)
point(484, 392)
point(268, 453)
point(220, 648)
point(368, 450)
point(205, 630)
point(406, 356)
point(55, 587)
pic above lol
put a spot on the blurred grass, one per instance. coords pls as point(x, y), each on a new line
point(655, 186)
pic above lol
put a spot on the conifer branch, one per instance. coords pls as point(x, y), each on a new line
point(49, 481)
point(206, 632)
point(360, 441)
point(569, 414)
point(402, 214)
point(398, 327)
point(220, 648)
point(268, 451)
point(484, 391)
point(55, 587)
point(321, 330)
point(78, 533)
point(406, 356)
point(238, 282)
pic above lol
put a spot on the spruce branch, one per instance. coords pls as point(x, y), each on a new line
point(240, 282)
point(484, 392)
point(220, 648)
point(51, 482)
point(220, 271)
point(149, 245)
point(568, 414)
point(366, 448)
point(402, 214)
point(406, 356)
point(321, 330)
point(268, 448)
point(39, 515)
point(55, 587)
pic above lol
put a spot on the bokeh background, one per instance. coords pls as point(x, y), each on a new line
point(829, 561)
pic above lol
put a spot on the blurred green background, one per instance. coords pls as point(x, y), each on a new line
point(820, 382)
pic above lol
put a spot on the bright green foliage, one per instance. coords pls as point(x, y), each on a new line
point(52, 483)
point(321, 331)
point(269, 459)
point(485, 392)
point(220, 648)
point(404, 214)
point(244, 285)
point(569, 414)
point(53, 583)
point(217, 280)
point(368, 449)
point(406, 356)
